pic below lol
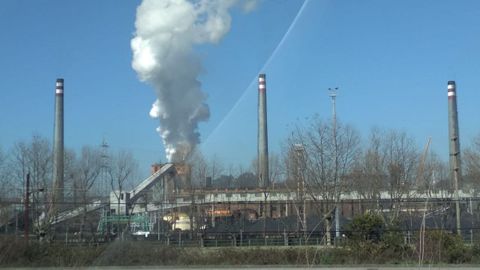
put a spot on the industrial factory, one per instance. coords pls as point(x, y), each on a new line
point(166, 205)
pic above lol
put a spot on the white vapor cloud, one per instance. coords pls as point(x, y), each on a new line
point(163, 57)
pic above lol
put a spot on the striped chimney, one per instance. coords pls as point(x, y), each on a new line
point(453, 130)
point(263, 176)
point(454, 143)
point(58, 152)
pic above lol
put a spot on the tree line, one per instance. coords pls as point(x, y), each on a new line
point(89, 173)
point(329, 162)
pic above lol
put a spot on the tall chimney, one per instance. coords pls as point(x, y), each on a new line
point(58, 154)
point(453, 133)
point(454, 142)
point(263, 175)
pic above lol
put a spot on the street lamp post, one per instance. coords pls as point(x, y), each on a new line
point(333, 95)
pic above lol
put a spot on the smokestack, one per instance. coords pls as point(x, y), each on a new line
point(263, 180)
point(58, 196)
point(453, 132)
point(454, 139)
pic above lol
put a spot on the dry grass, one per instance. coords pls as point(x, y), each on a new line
point(141, 253)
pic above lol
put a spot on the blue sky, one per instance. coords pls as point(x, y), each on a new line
point(390, 59)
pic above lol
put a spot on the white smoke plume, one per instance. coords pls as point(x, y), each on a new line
point(163, 56)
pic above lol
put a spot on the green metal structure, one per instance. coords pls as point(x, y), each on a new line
point(136, 223)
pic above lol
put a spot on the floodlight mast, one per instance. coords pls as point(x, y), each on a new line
point(333, 95)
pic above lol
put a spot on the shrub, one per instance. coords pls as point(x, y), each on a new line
point(367, 227)
point(442, 246)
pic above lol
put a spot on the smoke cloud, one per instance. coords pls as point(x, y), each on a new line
point(163, 56)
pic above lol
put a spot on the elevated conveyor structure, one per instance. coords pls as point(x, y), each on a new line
point(69, 214)
point(150, 181)
point(95, 205)
point(78, 211)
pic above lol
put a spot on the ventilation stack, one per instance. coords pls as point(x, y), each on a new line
point(263, 176)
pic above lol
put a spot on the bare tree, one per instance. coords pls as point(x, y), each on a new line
point(246, 180)
point(70, 174)
point(5, 189)
point(89, 166)
point(121, 170)
point(434, 175)
point(389, 163)
point(319, 161)
point(317, 167)
point(4, 183)
point(19, 162)
point(348, 151)
point(34, 157)
point(471, 158)
point(368, 175)
point(328, 161)
point(441, 181)
point(401, 160)
point(215, 167)
point(87, 172)
point(275, 172)
point(199, 168)
point(240, 170)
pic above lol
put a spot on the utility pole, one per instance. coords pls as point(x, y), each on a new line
point(333, 95)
